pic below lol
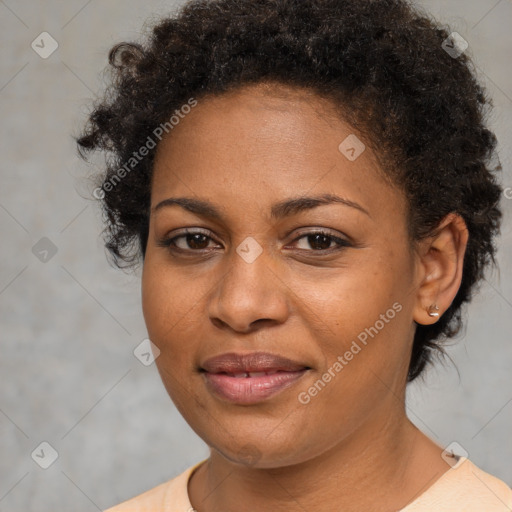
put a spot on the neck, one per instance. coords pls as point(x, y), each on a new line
point(383, 465)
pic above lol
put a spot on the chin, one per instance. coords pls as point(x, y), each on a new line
point(259, 453)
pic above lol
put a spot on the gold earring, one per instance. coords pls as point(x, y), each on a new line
point(432, 310)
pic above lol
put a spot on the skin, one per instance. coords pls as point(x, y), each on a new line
point(352, 446)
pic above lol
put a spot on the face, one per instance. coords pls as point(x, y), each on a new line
point(326, 284)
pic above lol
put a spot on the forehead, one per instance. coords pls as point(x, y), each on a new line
point(264, 138)
point(269, 115)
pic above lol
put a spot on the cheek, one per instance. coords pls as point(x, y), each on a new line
point(353, 299)
point(167, 310)
point(173, 304)
point(166, 293)
point(154, 299)
point(365, 319)
point(166, 302)
point(365, 358)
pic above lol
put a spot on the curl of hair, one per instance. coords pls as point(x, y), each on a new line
point(382, 65)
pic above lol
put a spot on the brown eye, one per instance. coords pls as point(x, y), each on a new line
point(188, 241)
point(194, 241)
point(321, 241)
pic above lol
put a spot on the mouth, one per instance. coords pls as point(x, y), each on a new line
point(245, 375)
point(250, 378)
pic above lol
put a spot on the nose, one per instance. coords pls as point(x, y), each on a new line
point(250, 295)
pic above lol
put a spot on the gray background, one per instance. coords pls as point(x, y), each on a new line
point(69, 326)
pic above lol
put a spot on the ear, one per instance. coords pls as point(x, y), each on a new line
point(439, 265)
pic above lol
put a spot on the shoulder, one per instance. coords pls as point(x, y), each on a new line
point(172, 493)
point(465, 487)
point(146, 501)
point(492, 488)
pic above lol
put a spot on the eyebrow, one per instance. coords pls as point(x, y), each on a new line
point(279, 210)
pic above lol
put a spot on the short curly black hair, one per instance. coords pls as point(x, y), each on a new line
point(394, 73)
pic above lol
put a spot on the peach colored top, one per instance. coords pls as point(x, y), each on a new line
point(463, 488)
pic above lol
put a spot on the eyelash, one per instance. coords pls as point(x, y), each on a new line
point(169, 243)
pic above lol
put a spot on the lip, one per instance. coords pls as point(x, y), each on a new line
point(233, 362)
point(229, 375)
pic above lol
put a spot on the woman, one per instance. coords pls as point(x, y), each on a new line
point(307, 183)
